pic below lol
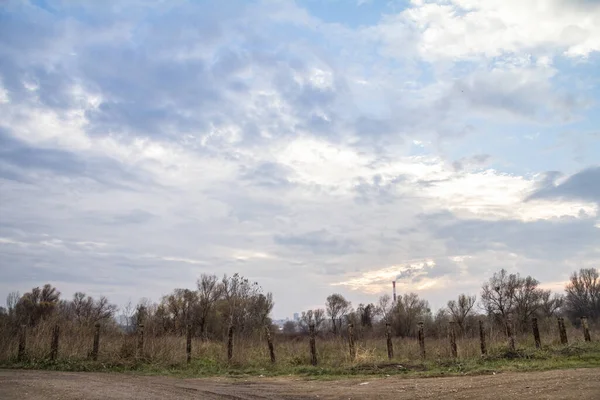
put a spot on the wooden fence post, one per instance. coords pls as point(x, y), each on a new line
point(586, 329)
point(452, 334)
point(96, 346)
point(388, 336)
point(509, 333)
point(482, 338)
point(536, 333)
point(562, 331)
point(22, 343)
point(422, 340)
point(313, 347)
point(230, 344)
point(351, 341)
point(188, 344)
point(270, 344)
point(140, 343)
point(54, 344)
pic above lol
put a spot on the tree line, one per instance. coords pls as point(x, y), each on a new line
point(210, 308)
point(505, 299)
point(216, 304)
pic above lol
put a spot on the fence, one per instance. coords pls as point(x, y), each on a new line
point(101, 345)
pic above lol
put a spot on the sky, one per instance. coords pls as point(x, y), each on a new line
point(315, 146)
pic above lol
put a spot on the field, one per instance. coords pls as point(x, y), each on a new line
point(166, 355)
point(161, 371)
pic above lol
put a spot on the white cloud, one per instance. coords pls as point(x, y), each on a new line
point(484, 193)
point(464, 29)
point(306, 157)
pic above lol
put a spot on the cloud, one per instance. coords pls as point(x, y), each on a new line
point(142, 145)
point(466, 29)
point(551, 239)
point(22, 162)
point(476, 160)
point(321, 242)
point(583, 185)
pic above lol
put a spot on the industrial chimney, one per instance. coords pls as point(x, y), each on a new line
point(394, 290)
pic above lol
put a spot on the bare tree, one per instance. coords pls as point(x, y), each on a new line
point(498, 295)
point(127, 313)
point(583, 294)
point(365, 314)
point(209, 291)
point(319, 318)
point(180, 305)
point(311, 317)
point(528, 300)
point(407, 311)
point(384, 308)
point(37, 304)
point(11, 302)
point(247, 307)
point(337, 307)
point(550, 304)
point(87, 311)
point(461, 309)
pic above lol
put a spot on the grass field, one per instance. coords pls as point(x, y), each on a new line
point(166, 355)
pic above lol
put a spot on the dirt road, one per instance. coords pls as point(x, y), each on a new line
point(569, 384)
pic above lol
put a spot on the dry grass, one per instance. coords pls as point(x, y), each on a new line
point(119, 349)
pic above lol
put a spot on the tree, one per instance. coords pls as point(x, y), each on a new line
point(365, 315)
point(179, 307)
point(37, 304)
point(440, 322)
point(461, 309)
point(289, 327)
point(318, 317)
point(408, 310)
point(259, 308)
point(337, 307)
point(528, 300)
point(87, 311)
point(141, 314)
point(384, 308)
point(550, 305)
point(498, 295)
point(11, 302)
point(209, 291)
point(315, 317)
point(246, 307)
point(127, 316)
point(509, 295)
point(583, 294)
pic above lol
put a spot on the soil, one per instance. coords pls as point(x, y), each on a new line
point(566, 384)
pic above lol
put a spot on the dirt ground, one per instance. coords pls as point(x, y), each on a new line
point(568, 384)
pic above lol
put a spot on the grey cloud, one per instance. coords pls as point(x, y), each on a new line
point(375, 190)
point(584, 185)
point(408, 273)
point(478, 159)
point(269, 175)
point(530, 99)
point(318, 242)
point(21, 156)
point(540, 239)
point(134, 217)
point(40, 264)
point(18, 159)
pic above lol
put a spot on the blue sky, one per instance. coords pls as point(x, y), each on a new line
point(314, 146)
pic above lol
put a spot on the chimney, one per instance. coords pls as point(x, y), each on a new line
point(394, 291)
